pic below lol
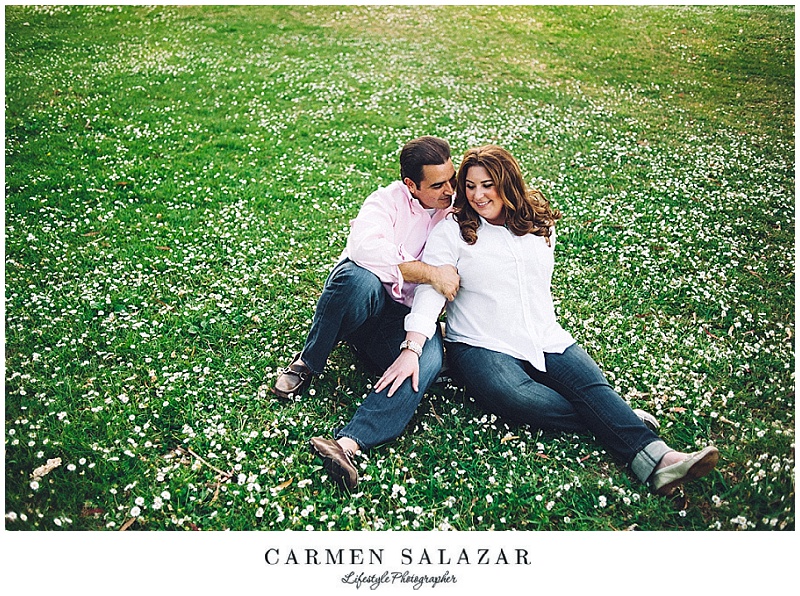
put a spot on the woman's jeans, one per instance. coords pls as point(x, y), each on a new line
point(572, 396)
point(355, 307)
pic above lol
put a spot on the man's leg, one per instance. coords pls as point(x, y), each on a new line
point(379, 418)
point(351, 297)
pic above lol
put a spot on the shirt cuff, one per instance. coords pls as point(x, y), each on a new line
point(420, 324)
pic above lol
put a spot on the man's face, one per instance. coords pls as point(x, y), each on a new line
point(436, 189)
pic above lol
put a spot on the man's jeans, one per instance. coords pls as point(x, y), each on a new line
point(572, 396)
point(354, 307)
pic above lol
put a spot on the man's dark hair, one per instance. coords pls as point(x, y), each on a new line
point(424, 151)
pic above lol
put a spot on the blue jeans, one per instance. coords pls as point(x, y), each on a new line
point(572, 396)
point(355, 307)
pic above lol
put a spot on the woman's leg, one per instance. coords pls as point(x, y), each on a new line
point(577, 377)
point(502, 384)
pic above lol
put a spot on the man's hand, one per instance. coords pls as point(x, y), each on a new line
point(445, 280)
point(406, 365)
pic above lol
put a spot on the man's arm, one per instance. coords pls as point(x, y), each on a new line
point(444, 279)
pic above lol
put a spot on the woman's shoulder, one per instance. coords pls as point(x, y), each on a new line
point(446, 230)
point(448, 224)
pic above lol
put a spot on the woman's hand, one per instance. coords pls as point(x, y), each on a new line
point(406, 365)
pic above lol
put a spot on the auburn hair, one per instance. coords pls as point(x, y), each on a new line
point(527, 211)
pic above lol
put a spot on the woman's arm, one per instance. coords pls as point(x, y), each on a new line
point(440, 250)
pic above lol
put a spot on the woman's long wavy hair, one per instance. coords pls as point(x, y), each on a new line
point(527, 211)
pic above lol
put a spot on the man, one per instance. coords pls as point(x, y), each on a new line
point(367, 296)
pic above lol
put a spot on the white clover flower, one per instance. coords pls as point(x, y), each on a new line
point(135, 511)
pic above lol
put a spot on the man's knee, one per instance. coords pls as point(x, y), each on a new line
point(430, 363)
point(354, 278)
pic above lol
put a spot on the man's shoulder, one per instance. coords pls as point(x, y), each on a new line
point(394, 192)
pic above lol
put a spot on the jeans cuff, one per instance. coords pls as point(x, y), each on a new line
point(310, 365)
point(647, 459)
point(338, 434)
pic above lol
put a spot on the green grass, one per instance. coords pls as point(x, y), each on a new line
point(179, 181)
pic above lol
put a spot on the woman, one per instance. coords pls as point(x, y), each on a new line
point(503, 338)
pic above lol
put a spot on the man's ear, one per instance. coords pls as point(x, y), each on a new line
point(412, 188)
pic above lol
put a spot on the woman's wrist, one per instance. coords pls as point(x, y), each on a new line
point(412, 346)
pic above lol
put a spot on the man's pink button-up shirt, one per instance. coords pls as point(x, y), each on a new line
point(391, 228)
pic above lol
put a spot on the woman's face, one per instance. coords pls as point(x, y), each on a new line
point(483, 196)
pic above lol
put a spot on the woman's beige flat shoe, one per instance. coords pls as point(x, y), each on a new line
point(696, 465)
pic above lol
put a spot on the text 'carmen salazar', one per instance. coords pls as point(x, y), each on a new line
point(406, 556)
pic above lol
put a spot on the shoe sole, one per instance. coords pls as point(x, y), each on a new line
point(337, 472)
point(300, 391)
point(648, 420)
point(699, 469)
point(281, 394)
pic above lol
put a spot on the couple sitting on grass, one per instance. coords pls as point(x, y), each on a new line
point(486, 255)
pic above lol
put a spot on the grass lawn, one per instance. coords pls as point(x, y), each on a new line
point(179, 182)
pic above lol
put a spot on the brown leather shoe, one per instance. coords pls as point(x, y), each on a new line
point(337, 461)
point(293, 379)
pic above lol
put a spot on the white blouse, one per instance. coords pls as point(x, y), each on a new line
point(504, 303)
